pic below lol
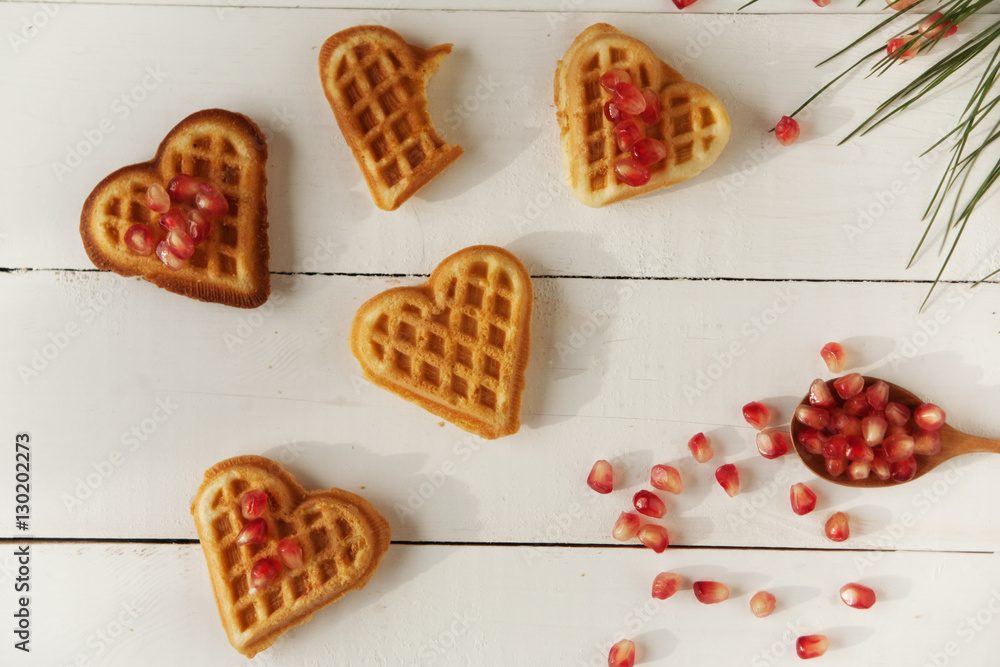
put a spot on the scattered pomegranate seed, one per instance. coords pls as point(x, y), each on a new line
point(700, 449)
point(926, 443)
point(614, 76)
point(180, 243)
point(666, 478)
point(880, 466)
point(211, 202)
point(849, 385)
point(812, 416)
point(253, 503)
point(710, 592)
point(254, 532)
point(622, 654)
point(836, 467)
point(681, 4)
point(820, 394)
point(183, 188)
point(629, 99)
point(651, 113)
point(904, 48)
point(873, 429)
point(762, 604)
point(729, 478)
point(928, 29)
point(787, 131)
point(172, 261)
point(601, 477)
point(803, 499)
point(834, 356)
point(812, 440)
point(263, 573)
point(838, 528)
point(811, 646)
point(655, 537)
point(857, 450)
point(897, 414)
point(632, 172)
point(903, 471)
point(198, 226)
point(898, 447)
point(928, 417)
point(626, 527)
point(900, 5)
point(613, 113)
point(139, 239)
point(822, 3)
point(157, 199)
point(857, 596)
point(173, 219)
point(665, 585)
point(858, 470)
point(756, 414)
point(649, 151)
point(627, 133)
point(772, 443)
point(648, 503)
point(857, 406)
point(290, 553)
point(836, 447)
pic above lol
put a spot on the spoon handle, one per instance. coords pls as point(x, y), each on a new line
point(963, 443)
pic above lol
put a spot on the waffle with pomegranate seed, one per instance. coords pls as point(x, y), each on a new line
point(230, 267)
point(342, 539)
point(457, 345)
point(376, 84)
point(694, 125)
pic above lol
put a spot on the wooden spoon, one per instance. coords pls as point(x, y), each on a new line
point(953, 443)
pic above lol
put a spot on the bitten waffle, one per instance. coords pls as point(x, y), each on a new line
point(341, 538)
point(376, 84)
point(457, 345)
point(231, 266)
point(694, 125)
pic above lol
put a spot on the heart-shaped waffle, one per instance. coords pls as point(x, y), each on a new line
point(341, 536)
point(219, 147)
point(376, 85)
point(694, 126)
point(457, 345)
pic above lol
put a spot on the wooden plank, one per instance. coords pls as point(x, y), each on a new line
point(761, 212)
point(123, 604)
point(138, 391)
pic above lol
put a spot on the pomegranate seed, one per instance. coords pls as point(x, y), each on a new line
point(601, 477)
point(173, 219)
point(822, 3)
point(655, 537)
point(626, 527)
point(787, 131)
point(812, 416)
point(820, 394)
point(898, 447)
point(857, 596)
point(904, 48)
point(896, 414)
point(857, 406)
point(666, 478)
point(903, 471)
point(756, 415)
point(629, 99)
point(651, 114)
point(157, 199)
point(729, 478)
point(811, 646)
point(803, 499)
point(700, 449)
point(893, 429)
point(649, 151)
point(648, 503)
point(836, 467)
point(263, 573)
point(631, 172)
point(880, 466)
point(849, 385)
point(198, 226)
point(253, 504)
point(172, 261)
point(857, 450)
point(928, 29)
point(710, 592)
point(255, 532)
point(900, 5)
point(844, 424)
point(622, 654)
point(858, 470)
point(837, 527)
point(772, 443)
point(627, 133)
point(926, 443)
point(836, 447)
point(928, 417)
point(681, 4)
point(877, 395)
point(180, 243)
point(290, 553)
point(834, 356)
point(611, 78)
point(139, 239)
point(812, 440)
point(873, 429)
point(665, 585)
point(762, 604)
point(613, 113)
point(183, 188)
point(211, 202)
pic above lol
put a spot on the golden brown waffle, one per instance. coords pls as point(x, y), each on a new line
point(457, 345)
point(694, 126)
point(341, 535)
point(376, 84)
point(223, 148)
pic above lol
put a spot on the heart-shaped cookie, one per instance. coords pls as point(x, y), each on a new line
point(341, 536)
point(224, 149)
point(694, 126)
point(457, 345)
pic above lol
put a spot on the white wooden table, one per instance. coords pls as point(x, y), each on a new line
point(501, 554)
